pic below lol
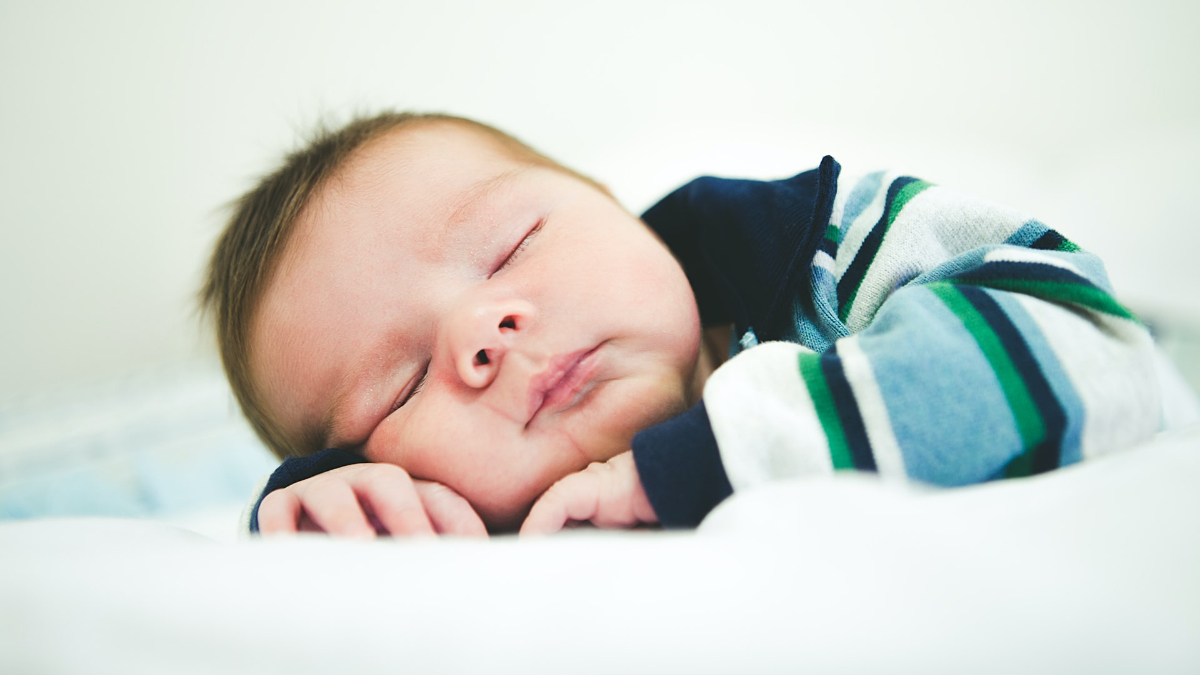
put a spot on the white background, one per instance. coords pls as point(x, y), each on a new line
point(126, 126)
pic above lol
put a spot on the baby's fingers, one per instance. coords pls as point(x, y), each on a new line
point(279, 513)
point(449, 511)
point(334, 508)
point(575, 497)
point(392, 497)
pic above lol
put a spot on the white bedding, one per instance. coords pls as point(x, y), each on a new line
point(1091, 569)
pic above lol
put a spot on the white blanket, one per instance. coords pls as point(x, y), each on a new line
point(1089, 569)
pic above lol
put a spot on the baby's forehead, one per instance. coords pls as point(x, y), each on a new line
point(439, 151)
point(432, 185)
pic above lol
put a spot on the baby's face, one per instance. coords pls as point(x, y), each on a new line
point(482, 323)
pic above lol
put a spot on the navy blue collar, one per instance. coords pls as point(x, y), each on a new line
point(746, 245)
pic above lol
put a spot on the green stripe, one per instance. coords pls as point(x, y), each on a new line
point(1063, 292)
point(1029, 420)
point(845, 311)
point(818, 389)
point(903, 197)
point(1021, 465)
point(1066, 245)
point(832, 233)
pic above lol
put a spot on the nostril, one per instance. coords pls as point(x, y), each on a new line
point(481, 358)
point(509, 322)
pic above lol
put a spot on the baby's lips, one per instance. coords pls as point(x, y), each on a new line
point(515, 393)
point(568, 375)
point(525, 383)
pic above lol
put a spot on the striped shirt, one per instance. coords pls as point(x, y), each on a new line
point(889, 325)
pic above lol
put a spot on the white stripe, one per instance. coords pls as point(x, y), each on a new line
point(248, 510)
point(845, 185)
point(824, 261)
point(1025, 255)
point(1109, 362)
point(763, 417)
point(857, 368)
point(854, 233)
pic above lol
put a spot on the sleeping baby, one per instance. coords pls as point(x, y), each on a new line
point(441, 330)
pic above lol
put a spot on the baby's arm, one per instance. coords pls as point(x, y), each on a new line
point(361, 500)
point(952, 342)
point(954, 384)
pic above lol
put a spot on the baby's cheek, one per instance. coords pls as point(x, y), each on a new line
point(631, 405)
point(383, 446)
point(498, 477)
point(407, 439)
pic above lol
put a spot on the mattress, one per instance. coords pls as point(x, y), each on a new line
point(1089, 569)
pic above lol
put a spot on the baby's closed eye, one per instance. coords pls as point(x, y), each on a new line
point(520, 247)
point(416, 389)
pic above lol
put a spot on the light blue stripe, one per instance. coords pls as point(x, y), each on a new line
point(820, 330)
point(949, 414)
point(1060, 384)
point(953, 267)
point(810, 334)
point(1090, 265)
point(1027, 234)
point(860, 198)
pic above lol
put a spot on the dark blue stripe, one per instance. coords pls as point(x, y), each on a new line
point(1050, 241)
point(1004, 270)
point(829, 246)
point(847, 410)
point(1046, 455)
point(870, 246)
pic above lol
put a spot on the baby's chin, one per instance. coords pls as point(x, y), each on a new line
point(504, 505)
point(505, 524)
point(504, 516)
point(503, 499)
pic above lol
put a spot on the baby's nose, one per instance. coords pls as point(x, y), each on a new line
point(484, 338)
point(477, 368)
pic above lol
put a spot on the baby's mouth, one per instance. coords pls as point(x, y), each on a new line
point(559, 385)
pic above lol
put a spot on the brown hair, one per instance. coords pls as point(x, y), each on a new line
point(249, 249)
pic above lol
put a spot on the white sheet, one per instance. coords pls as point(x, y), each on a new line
point(1091, 569)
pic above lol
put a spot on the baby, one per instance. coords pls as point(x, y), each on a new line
point(443, 331)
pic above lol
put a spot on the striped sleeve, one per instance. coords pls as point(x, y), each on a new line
point(965, 343)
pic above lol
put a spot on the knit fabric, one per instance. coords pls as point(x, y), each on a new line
point(945, 339)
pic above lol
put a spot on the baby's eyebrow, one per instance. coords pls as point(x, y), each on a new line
point(477, 192)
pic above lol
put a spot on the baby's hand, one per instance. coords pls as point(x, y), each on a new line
point(607, 495)
point(362, 500)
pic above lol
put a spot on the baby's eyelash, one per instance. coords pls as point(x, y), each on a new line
point(520, 247)
point(415, 390)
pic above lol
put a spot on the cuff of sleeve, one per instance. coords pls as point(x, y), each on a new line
point(680, 468)
point(296, 469)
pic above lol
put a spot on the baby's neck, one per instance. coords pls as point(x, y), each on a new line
point(714, 348)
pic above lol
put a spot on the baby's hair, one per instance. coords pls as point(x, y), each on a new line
point(262, 220)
